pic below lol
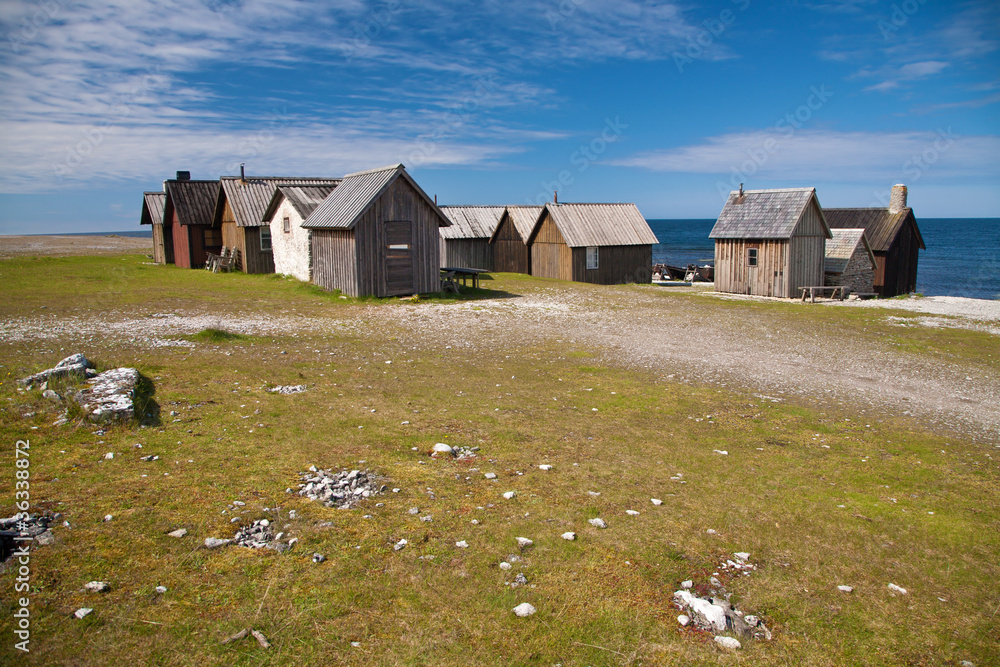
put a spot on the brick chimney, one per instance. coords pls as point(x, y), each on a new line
point(897, 200)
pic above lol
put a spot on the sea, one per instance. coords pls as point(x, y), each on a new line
point(962, 256)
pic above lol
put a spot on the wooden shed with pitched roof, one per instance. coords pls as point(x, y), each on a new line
point(607, 244)
point(509, 241)
point(239, 213)
point(466, 243)
point(894, 237)
point(188, 212)
point(291, 244)
point(377, 234)
point(152, 215)
point(770, 242)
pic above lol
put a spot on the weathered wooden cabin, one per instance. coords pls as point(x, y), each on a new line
point(152, 215)
point(292, 244)
point(466, 243)
point(770, 242)
point(239, 213)
point(850, 261)
point(377, 234)
point(188, 212)
point(509, 242)
point(894, 238)
point(607, 244)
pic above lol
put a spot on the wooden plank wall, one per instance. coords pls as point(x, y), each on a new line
point(468, 254)
point(616, 265)
point(806, 257)
point(159, 253)
point(509, 251)
point(253, 258)
point(899, 265)
point(734, 275)
point(550, 256)
point(182, 244)
point(232, 236)
point(334, 260)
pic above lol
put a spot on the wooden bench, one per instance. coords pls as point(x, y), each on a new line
point(834, 290)
point(451, 274)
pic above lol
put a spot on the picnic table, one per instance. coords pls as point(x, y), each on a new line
point(834, 290)
point(451, 274)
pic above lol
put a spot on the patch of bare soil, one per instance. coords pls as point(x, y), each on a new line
point(62, 246)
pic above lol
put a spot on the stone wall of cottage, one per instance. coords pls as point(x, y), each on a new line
point(292, 248)
point(859, 275)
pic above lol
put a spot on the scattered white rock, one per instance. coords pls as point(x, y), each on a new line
point(598, 523)
point(545, 466)
point(683, 619)
point(289, 389)
point(569, 535)
point(109, 456)
point(108, 517)
point(490, 475)
point(161, 589)
point(441, 449)
point(508, 495)
point(400, 545)
point(462, 545)
point(82, 611)
point(593, 494)
point(687, 584)
point(742, 555)
point(711, 531)
point(631, 513)
point(656, 501)
point(896, 589)
point(215, 542)
point(97, 586)
point(728, 643)
point(723, 452)
point(524, 609)
point(706, 615)
point(845, 589)
point(505, 566)
point(524, 542)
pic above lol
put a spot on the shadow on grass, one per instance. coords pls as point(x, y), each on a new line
point(146, 409)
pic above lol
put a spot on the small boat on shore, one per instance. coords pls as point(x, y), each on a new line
point(667, 272)
point(703, 274)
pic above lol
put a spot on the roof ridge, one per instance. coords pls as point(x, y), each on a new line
point(391, 167)
point(747, 192)
point(282, 178)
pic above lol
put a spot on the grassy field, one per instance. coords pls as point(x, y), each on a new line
point(819, 496)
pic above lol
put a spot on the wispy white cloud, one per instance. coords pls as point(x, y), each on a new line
point(117, 89)
point(829, 156)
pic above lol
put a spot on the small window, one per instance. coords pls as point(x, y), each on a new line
point(591, 257)
point(286, 225)
point(399, 246)
point(265, 239)
point(751, 256)
point(213, 237)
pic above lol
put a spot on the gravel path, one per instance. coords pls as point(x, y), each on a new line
point(694, 341)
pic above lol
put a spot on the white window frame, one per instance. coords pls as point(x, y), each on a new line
point(286, 225)
point(265, 232)
point(592, 258)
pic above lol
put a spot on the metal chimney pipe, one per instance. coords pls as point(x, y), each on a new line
point(243, 175)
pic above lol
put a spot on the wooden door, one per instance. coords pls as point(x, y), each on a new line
point(398, 257)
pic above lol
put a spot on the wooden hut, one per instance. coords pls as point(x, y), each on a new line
point(377, 234)
point(509, 242)
point(770, 242)
point(608, 244)
point(188, 212)
point(239, 213)
point(466, 243)
point(152, 215)
point(292, 244)
point(894, 238)
point(850, 261)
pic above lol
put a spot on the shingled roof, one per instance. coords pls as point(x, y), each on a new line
point(303, 198)
point(152, 208)
point(249, 197)
point(880, 225)
point(194, 201)
point(598, 224)
point(357, 192)
point(524, 219)
point(764, 214)
point(841, 248)
point(471, 222)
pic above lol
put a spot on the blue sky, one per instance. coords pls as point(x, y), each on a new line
point(668, 105)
